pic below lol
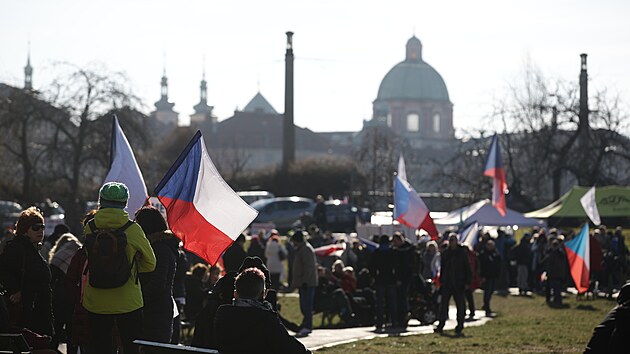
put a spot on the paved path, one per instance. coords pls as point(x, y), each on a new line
point(322, 338)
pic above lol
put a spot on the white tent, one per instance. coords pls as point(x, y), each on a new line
point(485, 214)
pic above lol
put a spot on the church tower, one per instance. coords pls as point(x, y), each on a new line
point(203, 119)
point(28, 71)
point(164, 115)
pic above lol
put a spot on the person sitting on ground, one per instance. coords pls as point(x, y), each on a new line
point(249, 314)
point(330, 298)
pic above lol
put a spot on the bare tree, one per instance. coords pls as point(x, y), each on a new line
point(23, 116)
point(545, 148)
point(377, 156)
point(82, 139)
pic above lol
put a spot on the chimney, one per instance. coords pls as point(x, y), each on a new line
point(583, 115)
point(288, 138)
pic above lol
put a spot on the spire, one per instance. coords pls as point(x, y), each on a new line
point(28, 70)
point(202, 107)
point(163, 104)
point(203, 87)
point(164, 86)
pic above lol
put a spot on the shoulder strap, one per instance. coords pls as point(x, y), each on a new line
point(126, 226)
point(92, 225)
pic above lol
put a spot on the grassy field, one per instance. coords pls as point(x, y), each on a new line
point(523, 325)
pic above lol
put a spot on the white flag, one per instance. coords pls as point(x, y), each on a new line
point(402, 172)
point(590, 206)
point(124, 169)
point(469, 236)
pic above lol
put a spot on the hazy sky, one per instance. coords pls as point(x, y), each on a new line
point(343, 48)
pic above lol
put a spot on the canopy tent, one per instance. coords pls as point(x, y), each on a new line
point(485, 214)
point(612, 202)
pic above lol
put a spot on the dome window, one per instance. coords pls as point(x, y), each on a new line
point(436, 123)
point(413, 122)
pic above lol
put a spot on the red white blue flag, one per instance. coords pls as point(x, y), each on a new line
point(409, 208)
point(579, 256)
point(335, 249)
point(494, 169)
point(202, 209)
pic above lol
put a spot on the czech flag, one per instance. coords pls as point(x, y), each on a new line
point(201, 208)
point(579, 255)
point(124, 169)
point(495, 170)
point(335, 249)
point(409, 208)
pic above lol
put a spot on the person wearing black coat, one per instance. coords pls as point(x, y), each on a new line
point(382, 266)
point(405, 263)
point(522, 254)
point(26, 277)
point(221, 294)
point(157, 286)
point(234, 255)
point(179, 292)
point(455, 275)
point(489, 269)
point(250, 325)
point(557, 267)
point(613, 334)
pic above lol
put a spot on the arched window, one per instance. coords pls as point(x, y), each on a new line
point(413, 122)
point(436, 122)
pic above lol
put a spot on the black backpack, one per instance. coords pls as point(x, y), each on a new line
point(108, 265)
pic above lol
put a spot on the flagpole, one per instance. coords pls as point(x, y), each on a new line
point(112, 142)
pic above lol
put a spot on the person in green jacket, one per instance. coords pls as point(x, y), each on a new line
point(123, 304)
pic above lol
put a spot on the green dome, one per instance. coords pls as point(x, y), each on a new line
point(413, 80)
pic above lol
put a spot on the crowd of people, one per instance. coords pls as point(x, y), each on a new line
point(120, 280)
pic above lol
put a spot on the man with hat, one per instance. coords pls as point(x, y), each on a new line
point(122, 304)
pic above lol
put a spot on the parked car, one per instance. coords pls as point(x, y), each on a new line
point(9, 213)
point(341, 217)
point(251, 196)
point(283, 212)
point(53, 215)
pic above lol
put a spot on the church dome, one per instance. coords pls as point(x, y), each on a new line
point(413, 79)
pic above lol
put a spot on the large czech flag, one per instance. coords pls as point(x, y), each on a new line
point(409, 208)
point(579, 255)
point(494, 169)
point(201, 208)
